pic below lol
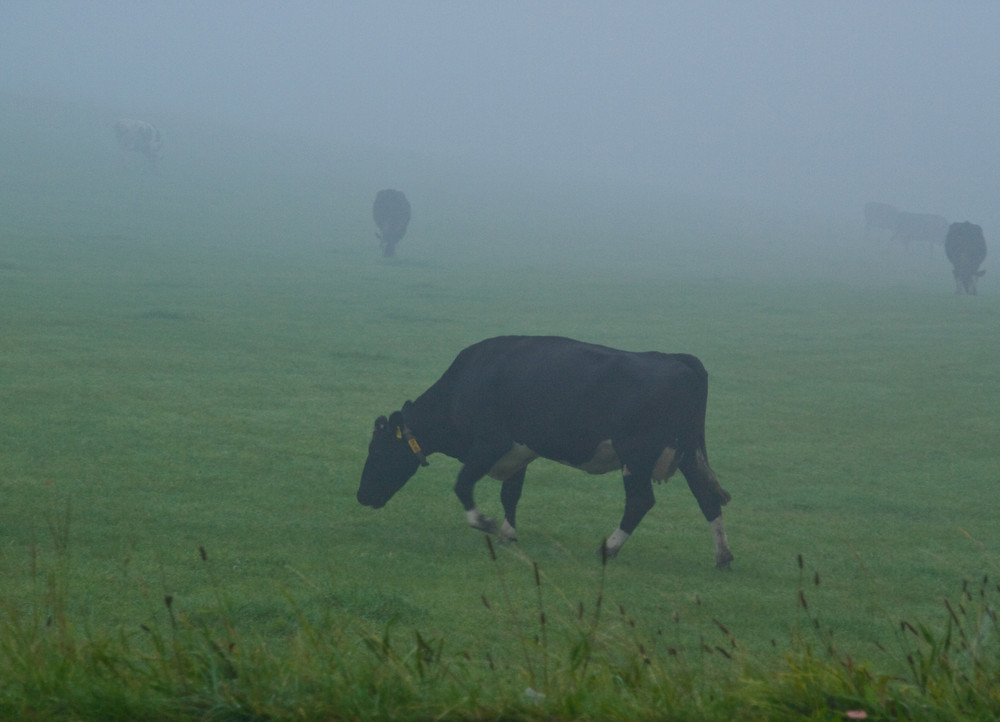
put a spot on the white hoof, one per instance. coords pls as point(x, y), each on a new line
point(507, 532)
point(723, 556)
point(614, 543)
point(480, 522)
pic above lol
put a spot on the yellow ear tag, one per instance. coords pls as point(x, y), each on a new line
point(414, 445)
point(399, 433)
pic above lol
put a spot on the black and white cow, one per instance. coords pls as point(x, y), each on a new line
point(507, 401)
point(879, 217)
point(140, 137)
point(965, 247)
point(920, 228)
point(391, 213)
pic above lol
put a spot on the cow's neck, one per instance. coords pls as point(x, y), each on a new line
point(430, 424)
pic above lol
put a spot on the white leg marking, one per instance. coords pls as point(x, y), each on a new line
point(507, 532)
point(480, 522)
point(723, 556)
point(615, 542)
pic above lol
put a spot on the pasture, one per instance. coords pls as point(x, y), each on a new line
point(191, 362)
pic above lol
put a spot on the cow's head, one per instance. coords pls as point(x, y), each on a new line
point(388, 247)
point(393, 457)
point(967, 280)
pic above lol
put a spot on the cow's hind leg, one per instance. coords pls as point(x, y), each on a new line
point(510, 494)
point(711, 498)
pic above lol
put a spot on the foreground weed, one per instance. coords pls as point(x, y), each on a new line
point(591, 664)
point(951, 674)
point(959, 668)
point(575, 664)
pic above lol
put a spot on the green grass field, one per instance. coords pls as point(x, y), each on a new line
point(191, 361)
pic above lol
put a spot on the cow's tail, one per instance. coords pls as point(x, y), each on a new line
point(694, 456)
point(695, 438)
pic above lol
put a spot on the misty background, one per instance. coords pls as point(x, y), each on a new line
point(789, 109)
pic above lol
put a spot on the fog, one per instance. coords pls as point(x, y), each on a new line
point(816, 107)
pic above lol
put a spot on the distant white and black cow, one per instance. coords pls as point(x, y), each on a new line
point(920, 228)
point(140, 137)
point(965, 247)
point(879, 217)
point(391, 213)
point(507, 401)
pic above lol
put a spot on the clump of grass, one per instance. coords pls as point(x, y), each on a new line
point(574, 661)
point(958, 667)
point(582, 661)
point(951, 673)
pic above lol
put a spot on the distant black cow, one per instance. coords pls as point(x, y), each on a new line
point(920, 228)
point(965, 247)
point(506, 401)
point(879, 217)
point(140, 137)
point(391, 213)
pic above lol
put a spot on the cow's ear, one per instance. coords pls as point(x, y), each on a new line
point(380, 423)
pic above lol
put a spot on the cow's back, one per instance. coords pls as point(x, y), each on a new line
point(391, 207)
point(965, 244)
point(880, 216)
point(561, 397)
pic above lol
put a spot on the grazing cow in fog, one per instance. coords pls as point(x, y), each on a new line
point(920, 228)
point(391, 213)
point(965, 247)
point(507, 401)
point(879, 217)
point(140, 137)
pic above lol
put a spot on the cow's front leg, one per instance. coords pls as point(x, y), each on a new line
point(470, 473)
point(639, 499)
point(482, 523)
point(510, 494)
